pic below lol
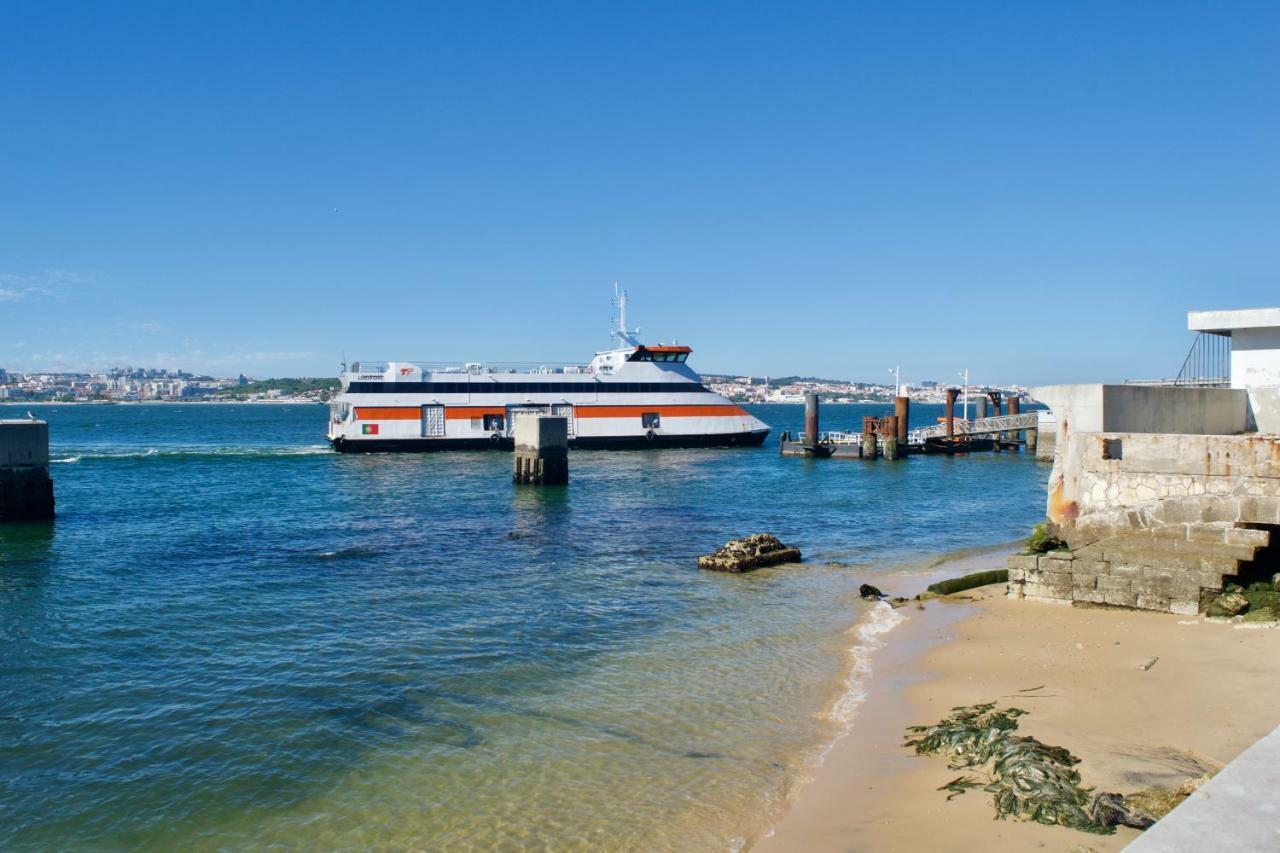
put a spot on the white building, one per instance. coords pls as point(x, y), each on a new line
point(1254, 345)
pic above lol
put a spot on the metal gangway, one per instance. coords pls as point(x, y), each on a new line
point(979, 426)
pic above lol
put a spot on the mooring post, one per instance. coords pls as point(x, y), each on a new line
point(870, 426)
point(811, 419)
point(889, 437)
point(902, 411)
point(980, 408)
point(1015, 408)
point(26, 491)
point(542, 450)
point(952, 393)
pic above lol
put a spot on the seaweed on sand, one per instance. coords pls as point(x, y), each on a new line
point(1027, 779)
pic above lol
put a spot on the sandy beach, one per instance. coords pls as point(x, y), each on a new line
point(1078, 674)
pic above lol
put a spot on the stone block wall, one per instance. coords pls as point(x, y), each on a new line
point(1154, 521)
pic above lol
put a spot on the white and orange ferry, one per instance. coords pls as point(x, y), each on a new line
point(630, 396)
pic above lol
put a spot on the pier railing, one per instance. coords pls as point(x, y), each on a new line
point(979, 426)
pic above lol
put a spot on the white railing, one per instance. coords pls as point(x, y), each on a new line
point(980, 426)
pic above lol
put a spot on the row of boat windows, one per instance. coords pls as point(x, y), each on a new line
point(525, 388)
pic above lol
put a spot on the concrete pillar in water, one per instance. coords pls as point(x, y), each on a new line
point(952, 393)
point(980, 408)
point(542, 450)
point(811, 419)
point(889, 442)
point(26, 491)
point(869, 428)
point(1032, 436)
point(902, 411)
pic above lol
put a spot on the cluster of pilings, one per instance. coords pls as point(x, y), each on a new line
point(889, 437)
point(885, 436)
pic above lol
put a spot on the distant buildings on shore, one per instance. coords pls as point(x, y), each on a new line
point(138, 384)
point(750, 389)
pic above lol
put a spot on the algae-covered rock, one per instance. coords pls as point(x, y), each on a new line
point(750, 552)
point(1262, 597)
point(1041, 541)
point(954, 585)
point(1227, 604)
point(1260, 614)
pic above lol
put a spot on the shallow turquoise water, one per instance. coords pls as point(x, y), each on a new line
point(233, 637)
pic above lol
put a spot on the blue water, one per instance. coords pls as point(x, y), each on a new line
point(232, 636)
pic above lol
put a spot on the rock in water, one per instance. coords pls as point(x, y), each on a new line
point(750, 552)
point(870, 592)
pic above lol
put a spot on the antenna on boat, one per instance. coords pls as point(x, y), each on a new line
point(620, 330)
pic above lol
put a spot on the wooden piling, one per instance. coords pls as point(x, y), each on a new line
point(26, 490)
point(811, 419)
point(902, 411)
point(869, 428)
point(952, 393)
point(889, 430)
point(541, 455)
point(1015, 408)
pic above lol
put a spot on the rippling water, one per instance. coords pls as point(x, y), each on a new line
point(233, 637)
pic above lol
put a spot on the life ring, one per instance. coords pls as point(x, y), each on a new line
point(495, 438)
point(650, 436)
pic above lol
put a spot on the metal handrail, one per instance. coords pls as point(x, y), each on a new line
point(979, 426)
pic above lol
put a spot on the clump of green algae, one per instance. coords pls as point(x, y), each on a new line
point(1027, 779)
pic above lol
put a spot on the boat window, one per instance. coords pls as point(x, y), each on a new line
point(681, 356)
point(493, 422)
point(651, 420)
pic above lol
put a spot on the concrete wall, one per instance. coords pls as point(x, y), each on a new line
point(1146, 408)
point(1255, 366)
point(24, 443)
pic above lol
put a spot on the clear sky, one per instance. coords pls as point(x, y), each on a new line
point(1037, 192)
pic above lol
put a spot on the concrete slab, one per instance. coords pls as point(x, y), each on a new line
point(1235, 810)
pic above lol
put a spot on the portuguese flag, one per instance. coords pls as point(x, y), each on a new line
point(368, 429)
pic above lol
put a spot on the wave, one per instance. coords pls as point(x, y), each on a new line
point(71, 457)
point(868, 635)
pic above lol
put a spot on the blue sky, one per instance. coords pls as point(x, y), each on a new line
point(1037, 192)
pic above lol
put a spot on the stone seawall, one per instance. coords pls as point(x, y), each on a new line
point(1156, 521)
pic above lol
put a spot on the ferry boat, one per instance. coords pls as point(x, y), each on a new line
point(630, 396)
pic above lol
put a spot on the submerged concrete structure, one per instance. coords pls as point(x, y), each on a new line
point(1162, 495)
point(26, 490)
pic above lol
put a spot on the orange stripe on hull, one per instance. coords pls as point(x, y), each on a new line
point(388, 413)
point(665, 411)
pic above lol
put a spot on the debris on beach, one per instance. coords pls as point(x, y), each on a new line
point(750, 552)
point(1027, 779)
point(870, 592)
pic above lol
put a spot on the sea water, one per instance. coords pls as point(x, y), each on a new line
point(233, 637)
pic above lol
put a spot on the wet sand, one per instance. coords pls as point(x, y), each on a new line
point(1205, 700)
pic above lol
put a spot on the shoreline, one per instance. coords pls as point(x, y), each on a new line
point(871, 793)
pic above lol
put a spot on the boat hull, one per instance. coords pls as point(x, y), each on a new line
point(434, 445)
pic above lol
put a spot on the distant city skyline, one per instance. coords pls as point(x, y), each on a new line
point(1035, 193)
